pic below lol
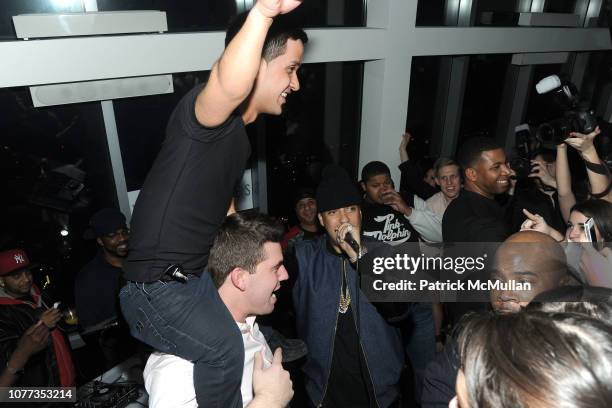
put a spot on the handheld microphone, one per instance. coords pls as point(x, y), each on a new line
point(352, 243)
point(175, 272)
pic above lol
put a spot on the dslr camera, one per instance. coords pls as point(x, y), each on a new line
point(525, 146)
point(576, 118)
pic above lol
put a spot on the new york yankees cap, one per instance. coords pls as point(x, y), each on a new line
point(13, 261)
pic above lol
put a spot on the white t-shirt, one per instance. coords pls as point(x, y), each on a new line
point(169, 379)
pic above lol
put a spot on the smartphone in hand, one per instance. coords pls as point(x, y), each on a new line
point(589, 232)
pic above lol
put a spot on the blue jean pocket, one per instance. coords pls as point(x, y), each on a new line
point(149, 327)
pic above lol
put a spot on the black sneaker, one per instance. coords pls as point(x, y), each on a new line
point(293, 349)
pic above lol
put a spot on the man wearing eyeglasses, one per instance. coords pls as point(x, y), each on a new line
point(97, 285)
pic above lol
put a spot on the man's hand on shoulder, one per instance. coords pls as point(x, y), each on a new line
point(272, 386)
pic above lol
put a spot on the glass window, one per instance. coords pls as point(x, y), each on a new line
point(560, 6)
point(422, 102)
point(55, 171)
point(10, 8)
point(320, 125)
point(430, 12)
point(488, 12)
point(496, 13)
point(599, 79)
point(605, 16)
point(483, 94)
point(141, 124)
point(215, 14)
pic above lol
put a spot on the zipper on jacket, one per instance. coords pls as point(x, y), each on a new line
point(364, 356)
point(331, 359)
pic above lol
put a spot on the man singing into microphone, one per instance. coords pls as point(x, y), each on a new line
point(346, 366)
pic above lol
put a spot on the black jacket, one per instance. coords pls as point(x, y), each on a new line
point(440, 378)
point(41, 369)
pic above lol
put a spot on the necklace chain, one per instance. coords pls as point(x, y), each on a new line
point(345, 295)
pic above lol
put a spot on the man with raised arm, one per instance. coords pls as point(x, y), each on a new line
point(168, 302)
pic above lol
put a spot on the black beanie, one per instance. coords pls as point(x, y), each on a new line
point(336, 189)
point(104, 222)
point(303, 192)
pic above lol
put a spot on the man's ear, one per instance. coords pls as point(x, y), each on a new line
point(437, 181)
point(238, 278)
point(99, 241)
point(363, 186)
point(321, 220)
point(471, 174)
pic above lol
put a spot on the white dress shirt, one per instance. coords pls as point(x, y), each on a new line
point(169, 379)
point(437, 203)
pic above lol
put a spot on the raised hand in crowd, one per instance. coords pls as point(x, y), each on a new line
point(403, 148)
point(599, 180)
point(535, 222)
point(597, 266)
point(50, 317)
point(583, 143)
point(272, 386)
point(566, 196)
point(540, 170)
point(272, 8)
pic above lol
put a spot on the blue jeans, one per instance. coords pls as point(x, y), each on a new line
point(189, 320)
point(420, 341)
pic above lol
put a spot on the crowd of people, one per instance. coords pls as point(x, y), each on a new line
point(191, 275)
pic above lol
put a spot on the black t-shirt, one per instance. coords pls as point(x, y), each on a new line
point(472, 217)
point(383, 223)
point(187, 193)
point(96, 289)
point(349, 383)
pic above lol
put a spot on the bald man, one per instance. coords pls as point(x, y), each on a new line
point(528, 257)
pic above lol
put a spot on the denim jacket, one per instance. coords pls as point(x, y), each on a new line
point(316, 297)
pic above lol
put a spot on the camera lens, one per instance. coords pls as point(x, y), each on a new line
point(554, 132)
point(546, 133)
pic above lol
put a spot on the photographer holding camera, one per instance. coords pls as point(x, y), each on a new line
point(597, 171)
point(577, 128)
point(536, 191)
